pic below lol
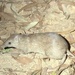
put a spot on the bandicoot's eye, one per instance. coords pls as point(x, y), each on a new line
point(9, 42)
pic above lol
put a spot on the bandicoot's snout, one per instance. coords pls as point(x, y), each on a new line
point(6, 47)
point(9, 47)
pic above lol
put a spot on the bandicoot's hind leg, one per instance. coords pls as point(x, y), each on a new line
point(58, 72)
point(69, 53)
point(62, 61)
point(56, 69)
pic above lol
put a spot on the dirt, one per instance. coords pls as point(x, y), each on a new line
point(36, 16)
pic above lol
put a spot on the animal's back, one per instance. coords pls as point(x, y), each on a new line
point(35, 42)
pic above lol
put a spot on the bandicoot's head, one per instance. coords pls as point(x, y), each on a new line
point(11, 42)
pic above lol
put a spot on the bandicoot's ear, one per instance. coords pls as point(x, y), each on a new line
point(16, 38)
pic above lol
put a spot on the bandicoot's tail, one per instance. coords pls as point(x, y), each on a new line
point(69, 53)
